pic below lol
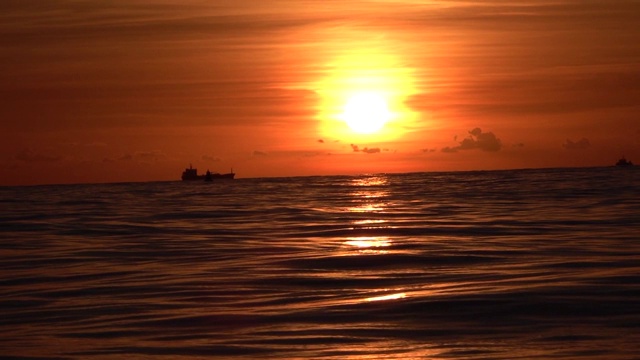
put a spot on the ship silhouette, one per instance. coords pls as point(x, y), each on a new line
point(624, 162)
point(191, 174)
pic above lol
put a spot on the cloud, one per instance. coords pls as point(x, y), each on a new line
point(365, 150)
point(485, 141)
point(576, 145)
point(259, 153)
point(210, 158)
point(321, 141)
point(371, 150)
point(149, 156)
point(28, 155)
point(144, 156)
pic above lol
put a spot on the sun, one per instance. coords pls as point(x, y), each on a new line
point(364, 96)
point(366, 112)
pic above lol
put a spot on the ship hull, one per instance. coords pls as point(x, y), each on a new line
point(192, 178)
point(214, 177)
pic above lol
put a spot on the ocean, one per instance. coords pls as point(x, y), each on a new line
point(518, 264)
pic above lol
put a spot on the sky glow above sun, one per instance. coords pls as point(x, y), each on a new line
point(109, 91)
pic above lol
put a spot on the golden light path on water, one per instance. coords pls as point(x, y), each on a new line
point(387, 297)
point(370, 194)
point(368, 190)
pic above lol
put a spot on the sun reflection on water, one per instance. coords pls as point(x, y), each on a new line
point(367, 195)
point(368, 192)
point(368, 221)
point(366, 208)
point(373, 180)
point(367, 242)
point(395, 296)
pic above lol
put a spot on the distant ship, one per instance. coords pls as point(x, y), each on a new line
point(624, 162)
point(190, 174)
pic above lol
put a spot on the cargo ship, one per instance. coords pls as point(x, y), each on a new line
point(624, 162)
point(190, 174)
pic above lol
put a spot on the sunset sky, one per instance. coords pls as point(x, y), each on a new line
point(122, 90)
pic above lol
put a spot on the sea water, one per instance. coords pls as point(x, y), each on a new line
point(522, 264)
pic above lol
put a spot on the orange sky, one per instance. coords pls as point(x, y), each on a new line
point(104, 91)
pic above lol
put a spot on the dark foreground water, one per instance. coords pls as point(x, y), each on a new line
point(527, 264)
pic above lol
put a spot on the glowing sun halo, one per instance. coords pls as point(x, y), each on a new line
point(363, 97)
point(366, 112)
